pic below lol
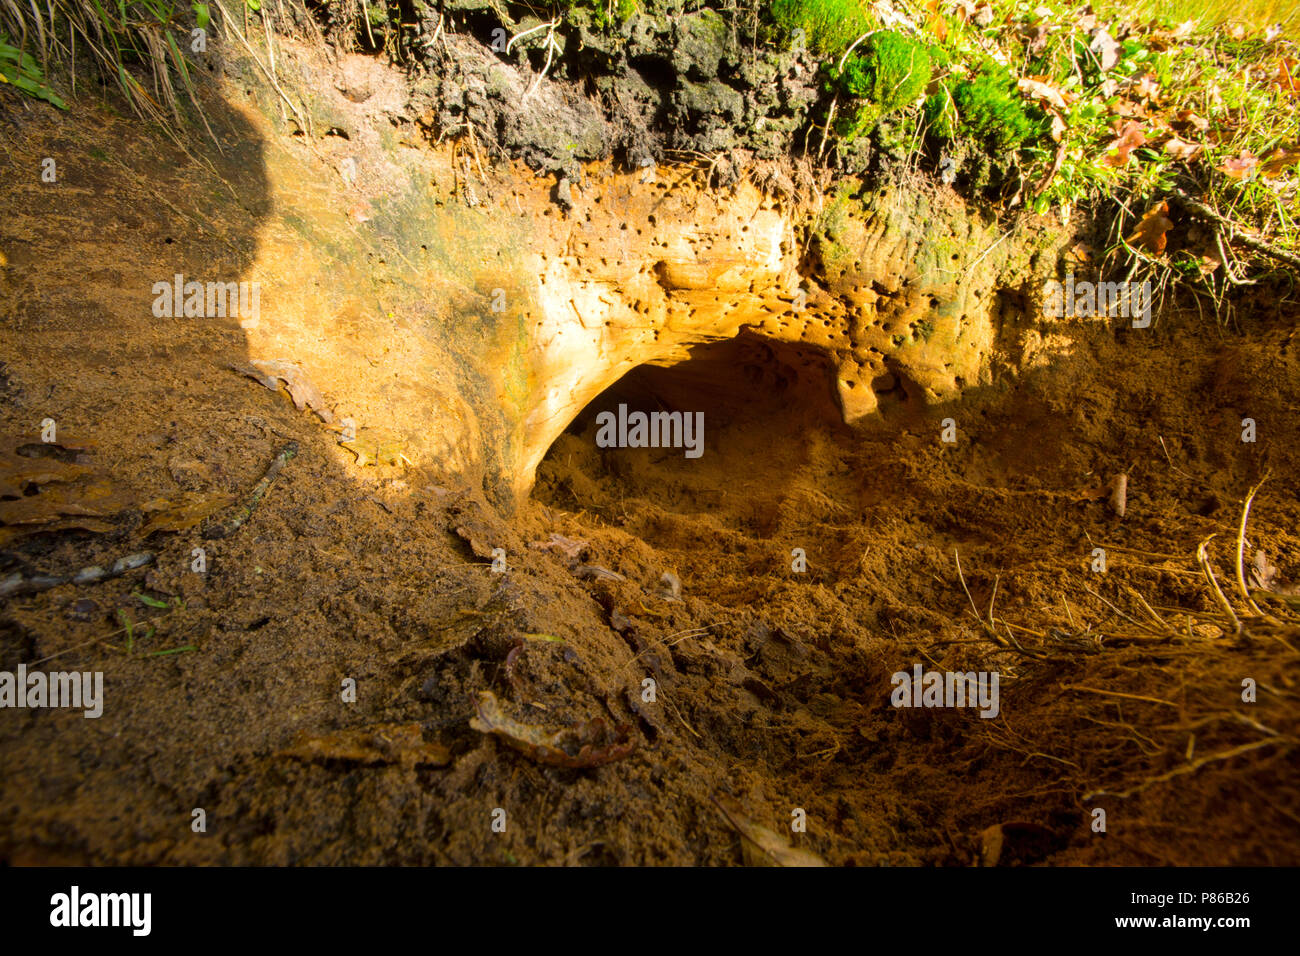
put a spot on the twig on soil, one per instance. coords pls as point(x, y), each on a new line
point(1171, 461)
point(1214, 718)
point(1147, 607)
point(1157, 555)
point(687, 634)
point(982, 255)
point(1133, 732)
point(974, 610)
point(826, 754)
point(1069, 616)
point(31, 584)
point(152, 621)
point(244, 510)
point(1236, 232)
point(679, 716)
point(551, 47)
point(550, 25)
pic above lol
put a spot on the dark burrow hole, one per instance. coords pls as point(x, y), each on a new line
point(761, 402)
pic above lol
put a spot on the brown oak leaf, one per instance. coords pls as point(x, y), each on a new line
point(1150, 232)
point(1129, 139)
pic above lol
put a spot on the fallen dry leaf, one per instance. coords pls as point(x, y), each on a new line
point(1286, 77)
point(571, 548)
point(1181, 149)
point(271, 373)
point(95, 499)
point(1262, 571)
point(1106, 47)
point(18, 472)
point(588, 744)
point(476, 543)
point(1037, 89)
point(1129, 108)
point(1036, 40)
point(1146, 87)
point(1150, 232)
point(761, 846)
point(376, 446)
point(991, 840)
point(1276, 162)
point(1242, 167)
point(1081, 253)
point(1129, 139)
point(371, 746)
point(9, 533)
point(936, 23)
point(76, 454)
point(1014, 841)
point(184, 513)
point(1118, 497)
point(1058, 126)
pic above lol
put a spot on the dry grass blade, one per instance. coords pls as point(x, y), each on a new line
point(1132, 620)
point(1241, 547)
point(1151, 611)
point(229, 23)
point(1203, 559)
point(990, 626)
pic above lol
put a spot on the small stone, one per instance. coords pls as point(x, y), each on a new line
point(84, 610)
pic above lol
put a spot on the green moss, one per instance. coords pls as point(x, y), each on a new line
point(941, 113)
point(987, 107)
point(828, 26)
point(622, 11)
point(887, 72)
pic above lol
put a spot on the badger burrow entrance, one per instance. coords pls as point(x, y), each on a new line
point(781, 673)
